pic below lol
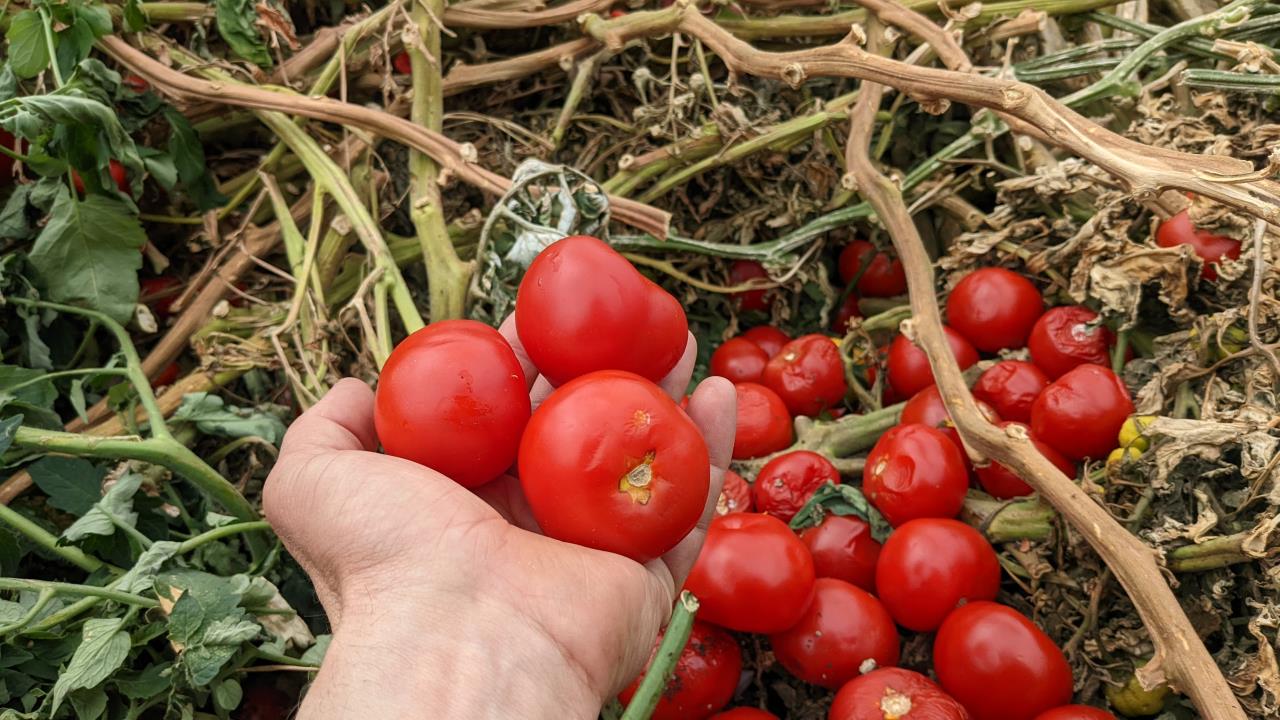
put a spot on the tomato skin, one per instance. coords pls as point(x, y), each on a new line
point(742, 271)
point(931, 566)
point(994, 308)
point(135, 82)
point(159, 293)
point(582, 307)
point(927, 408)
point(588, 440)
point(1179, 230)
point(1061, 340)
point(1075, 712)
point(908, 366)
point(705, 676)
point(914, 471)
point(769, 338)
point(739, 360)
point(119, 175)
point(787, 482)
point(764, 425)
point(843, 548)
point(754, 574)
point(884, 277)
point(847, 311)
point(166, 376)
point(1001, 483)
point(843, 627)
point(985, 645)
point(735, 496)
point(808, 374)
point(401, 63)
point(885, 693)
point(1080, 413)
point(744, 713)
point(1010, 387)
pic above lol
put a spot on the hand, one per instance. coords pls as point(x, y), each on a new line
point(450, 603)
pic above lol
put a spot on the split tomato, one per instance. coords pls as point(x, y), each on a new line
point(931, 566)
point(787, 482)
point(1011, 386)
point(704, 679)
point(1210, 248)
point(739, 360)
point(1002, 483)
point(915, 471)
point(994, 308)
point(735, 496)
point(843, 548)
point(764, 425)
point(908, 366)
point(843, 629)
point(808, 375)
point(1067, 336)
point(883, 276)
point(1080, 413)
point(769, 338)
point(742, 272)
point(894, 694)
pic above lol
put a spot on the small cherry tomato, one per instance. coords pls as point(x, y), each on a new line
point(744, 713)
point(1075, 712)
point(983, 646)
point(914, 471)
point(994, 308)
point(769, 338)
point(843, 548)
point(159, 294)
point(705, 676)
point(621, 449)
point(1011, 386)
point(884, 277)
point(1080, 413)
point(894, 694)
point(927, 408)
point(847, 311)
point(844, 629)
point(401, 63)
point(908, 366)
point(166, 376)
point(787, 482)
point(135, 82)
point(739, 360)
point(735, 496)
point(1064, 337)
point(808, 375)
point(1002, 483)
point(931, 566)
point(753, 575)
point(1179, 230)
point(743, 271)
point(764, 425)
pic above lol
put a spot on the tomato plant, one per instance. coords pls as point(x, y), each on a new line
point(1002, 483)
point(931, 566)
point(787, 482)
point(764, 425)
point(704, 679)
point(1010, 387)
point(739, 360)
point(1075, 712)
point(1067, 336)
point(883, 276)
point(843, 548)
point(735, 496)
point(1080, 413)
point(994, 308)
point(769, 338)
point(742, 272)
point(843, 628)
point(908, 366)
point(1210, 248)
point(927, 408)
point(847, 311)
point(808, 374)
point(915, 471)
point(744, 713)
point(894, 694)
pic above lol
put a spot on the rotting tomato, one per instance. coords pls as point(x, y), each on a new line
point(1080, 413)
point(401, 63)
point(931, 566)
point(1011, 386)
point(908, 365)
point(735, 496)
point(787, 482)
point(159, 294)
point(984, 646)
point(1075, 712)
point(994, 308)
point(452, 396)
point(844, 630)
point(843, 548)
point(1210, 248)
point(634, 465)
point(753, 575)
point(894, 694)
point(808, 374)
point(883, 276)
point(927, 408)
point(1002, 483)
point(744, 713)
point(739, 360)
point(1065, 337)
point(847, 311)
point(582, 307)
point(764, 425)
point(705, 676)
point(915, 471)
point(769, 338)
point(742, 272)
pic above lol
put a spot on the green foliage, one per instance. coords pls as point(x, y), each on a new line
point(236, 24)
point(213, 416)
point(841, 499)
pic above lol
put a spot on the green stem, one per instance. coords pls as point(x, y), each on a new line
point(46, 596)
point(62, 588)
point(1224, 80)
point(663, 664)
point(52, 46)
point(219, 533)
point(46, 540)
point(65, 373)
point(1119, 351)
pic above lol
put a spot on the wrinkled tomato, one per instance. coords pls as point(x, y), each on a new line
point(1011, 386)
point(787, 482)
point(735, 496)
point(844, 630)
point(1210, 248)
point(994, 308)
point(739, 360)
point(1080, 413)
point(808, 374)
point(931, 566)
point(704, 679)
point(1065, 337)
point(915, 471)
point(908, 366)
point(769, 338)
point(764, 425)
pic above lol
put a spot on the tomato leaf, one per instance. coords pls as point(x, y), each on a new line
point(74, 485)
point(89, 704)
point(841, 500)
point(28, 51)
point(134, 19)
point(114, 509)
point(143, 573)
point(150, 682)
point(212, 416)
point(227, 694)
point(236, 20)
point(103, 648)
point(8, 427)
point(14, 222)
point(188, 159)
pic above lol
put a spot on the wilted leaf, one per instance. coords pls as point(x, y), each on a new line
point(103, 647)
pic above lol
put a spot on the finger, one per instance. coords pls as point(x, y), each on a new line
point(541, 389)
point(677, 381)
point(508, 331)
point(342, 420)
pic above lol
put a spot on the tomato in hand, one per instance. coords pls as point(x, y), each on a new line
point(847, 311)
point(914, 471)
point(1065, 337)
point(582, 307)
point(1010, 387)
point(704, 679)
point(894, 694)
point(764, 425)
point(739, 360)
point(744, 713)
point(808, 374)
point(1075, 712)
point(843, 548)
point(452, 396)
point(740, 273)
point(735, 496)
point(984, 646)
point(843, 628)
point(769, 338)
point(1080, 413)
point(1210, 248)
point(883, 277)
point(931, 566)
point(994, 308)
point(753, 575)
point(927, 408)
point(159, 294)
point(1002, 483)
point(908, 366)
point(787, 482)
point(610, 462)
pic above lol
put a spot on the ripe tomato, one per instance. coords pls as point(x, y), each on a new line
point(735, 496)
point(926, 407)
point(135, 82)
point(994, 308)
point(764, 425)
point(166, 376)
point(582, 307)
point(743, 271)
point(894, 694)
point(914, 471)
point(1179, 230)
point(610, 462)
point(842, 548)
point(159, 294)
point(706, 674)
point(753, 575)
point(401, 63)
point(744, 713)
point(1000, 482)
point(787, 482)
point(843, 628)
point(769, 338)
point(1063, 338)
point(119, 175)
point(908, 366)
point(847, 311)
point(740, 360)
point(983, 646)
point(931, 566)
point(884, 277)
point(1075, 712)
point(1010, 386)
point(807, 374)
point(1080, 413)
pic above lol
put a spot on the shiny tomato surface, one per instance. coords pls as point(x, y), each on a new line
point(704, 679)
point(843, 548)
point(908, 366)
point(1080, 413)
point(1002, 483)
point(742, 272)
point(994, 308)
point(844, 629)
point(883, 276)
point(1075, 712)
point(894, 694)
point(764, 425)
point(1210, 248)
point(915, 471)
point(931, 566)
point(769, 338)
point(808, 374)
point(739, 360)
point(1010, 387)
point(787, 482)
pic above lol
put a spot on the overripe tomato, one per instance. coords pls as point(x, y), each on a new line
point(744, 713)
point(884, 277)
point(894, 694)
point(807, 374)
point(401, 63)
point(847, 311)
point(1002, 483)
point(931, 566)
point(582, 307)
point(983, 646)
point(135, 82)
point(927, 408)
point(914, 471)
point(1063, 338)
point(764, 425)
point(994, 308)
point(787, 482)
point(705, 676)
point(843, 548)
point(740, 360)
point(1010, 386)
point(908, 366)
point(769, 338)
point(610, 462)
point(753, 575)
point(1076, 712)
point(843, 628)
point(1080, 413)
point(166, 376)
point(743, 271)
point(1179, 230)
point(735, 496)
point(159, 294)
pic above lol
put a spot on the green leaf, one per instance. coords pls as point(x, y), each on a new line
point(74, 485)
point(315, 653)
point(134, 19)
point(103, 649)
point(79, 112)
point(161, 167)
point(97, 17)
point(142, 575)
point(212, 416)
point(236, 21)
point(841, 500)
point(10, 551)
point(28, 51)
point(40, 394)
point(76, 395)
point(227, 694)
point(8, 427)
point(115, 508)
point(150, 682)
point(89, 704)
point(188, 157)
point(13, 217)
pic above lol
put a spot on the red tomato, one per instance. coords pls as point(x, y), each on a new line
point(882, 278)
point(1178, 230)
point(847, 311)
point(787, 482)
point(616, 446)
point(118, 175)
point(1075, 712)
point(6, 163)
point(401, 63)
point(135, 82)
point(744, 713)
point(452, 396)
point(994, 308)
point(740, 360)
point(894, 694)
point(769, 338)
point(926, 407)
point(931, 566)
point(914, 471)
point(843, 628)
point(1010, 386)
point(166, 376)
point(742, 271)
point(909, 370)
point(1001, 482)
point(582, 307)
point(983, 646)
point(159, 293)
point(807, 374)
point(706, 674)
point(735, 496)
point(1063, 338)
point(842, 548)
point(764, 425)
point(753, 575)
point(1080, 413)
